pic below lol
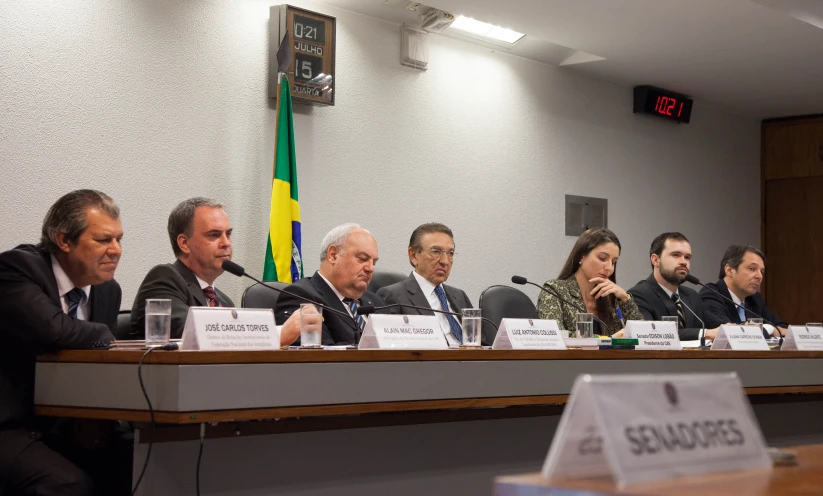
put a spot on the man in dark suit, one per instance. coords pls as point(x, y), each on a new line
point(59, 294)
point(347, 257)
point(200, 235)
point(661, 294)
point(431, 253)
point(742, 270)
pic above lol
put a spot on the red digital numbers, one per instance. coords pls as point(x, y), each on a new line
point(665, 105)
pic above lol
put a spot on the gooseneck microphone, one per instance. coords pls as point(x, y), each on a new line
point(239, 271)
point(691, 279)
point(549, 289)
point(678, 299)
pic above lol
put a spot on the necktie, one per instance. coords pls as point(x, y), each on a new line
point(358, 319)
point(211, 295)
point(681, 316)
point(741, 311)
point(74, 297)
point(444, 304)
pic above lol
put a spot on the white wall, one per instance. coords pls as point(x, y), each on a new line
point(154, 101)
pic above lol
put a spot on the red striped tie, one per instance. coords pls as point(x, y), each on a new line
point(211, 296)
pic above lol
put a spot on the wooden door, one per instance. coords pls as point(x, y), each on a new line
point(794, 248)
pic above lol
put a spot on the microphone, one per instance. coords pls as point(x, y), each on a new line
point(703, 335)
point(690, 278)
point(239, 271)
point(522, 280)
point(368, 309)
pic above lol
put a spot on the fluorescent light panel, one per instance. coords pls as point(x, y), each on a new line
point(486, 30)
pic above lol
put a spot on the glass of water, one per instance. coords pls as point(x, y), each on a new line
point(585, 326)
point(309, 338)
point(472, 325)
point(756, 322)
point(672, 318)
point(158, 322)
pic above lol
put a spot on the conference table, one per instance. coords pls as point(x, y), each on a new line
point(804, 479)
point(322, 422)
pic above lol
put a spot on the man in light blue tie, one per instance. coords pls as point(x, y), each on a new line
point(431, 253)
point(742, 270)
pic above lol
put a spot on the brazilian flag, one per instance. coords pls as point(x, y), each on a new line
point(284, 260)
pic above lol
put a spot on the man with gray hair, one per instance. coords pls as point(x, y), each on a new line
point(200, 235)
point(59, 294)
point(347, 258)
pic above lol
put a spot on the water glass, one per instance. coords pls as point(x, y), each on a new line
point(158, 321)
point(309, 338)
point(585, 326)
point(472, 325)
point(672, 318)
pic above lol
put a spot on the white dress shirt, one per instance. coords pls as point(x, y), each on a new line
point(64, 285)
point(340, 297)
point(434, 302)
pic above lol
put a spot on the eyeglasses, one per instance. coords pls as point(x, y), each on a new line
point(435, 252)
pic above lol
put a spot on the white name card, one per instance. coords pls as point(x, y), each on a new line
point(407, 332)
point(528, 334)
point(803, 338)
point(641, 428)
point(230, 329)
point(656, 335)
point(740, 337)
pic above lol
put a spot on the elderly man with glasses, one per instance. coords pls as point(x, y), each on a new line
point(431, 253)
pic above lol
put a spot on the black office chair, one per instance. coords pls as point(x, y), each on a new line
point(256, 296)
point(504, 302)
point(123, 329)
point(382, 279)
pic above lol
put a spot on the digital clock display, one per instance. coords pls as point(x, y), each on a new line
point(308, 29)
point(662, 103)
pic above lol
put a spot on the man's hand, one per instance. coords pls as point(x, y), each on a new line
point(312, 321)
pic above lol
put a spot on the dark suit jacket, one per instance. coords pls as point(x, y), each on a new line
point(654, 303)
point(174, 282)
point(32, 323)
point(409, 292)
point(727, 312)
point(337, 329)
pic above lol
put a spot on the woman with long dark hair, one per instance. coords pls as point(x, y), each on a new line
point(588, 279)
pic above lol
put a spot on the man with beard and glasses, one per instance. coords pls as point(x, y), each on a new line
point(661, 294)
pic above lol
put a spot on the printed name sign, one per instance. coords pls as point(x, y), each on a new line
point(740, 337)
point(657, 335)
point(407, 332)
point(230, 329)
point(803, 338)
point(641, 428)
point(528, 334)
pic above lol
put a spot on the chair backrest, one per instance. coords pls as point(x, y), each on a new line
point(123, 329)
point(257, 296)
point(504, 302)
point(382, 279)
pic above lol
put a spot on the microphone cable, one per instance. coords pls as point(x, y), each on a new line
point(165, 347)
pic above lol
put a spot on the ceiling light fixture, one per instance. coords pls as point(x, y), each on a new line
point(482, 29)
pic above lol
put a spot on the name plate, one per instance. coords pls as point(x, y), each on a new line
point(230, 329)
point(740, 337)
point(803, 338)
point(528, 334)
point(404, 332)
point(657, 335)
point(642, 428)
